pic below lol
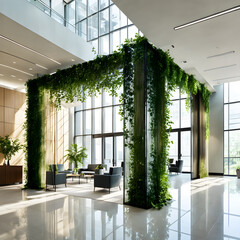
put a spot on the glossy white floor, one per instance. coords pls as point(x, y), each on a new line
point(201, 209)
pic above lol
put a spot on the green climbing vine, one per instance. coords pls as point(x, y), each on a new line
point(162, 76)
point(147, 183)
point(75, 83)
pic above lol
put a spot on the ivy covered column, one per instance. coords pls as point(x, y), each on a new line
point(136, 89)
point(146, 127)
point(200, 138)
point(35, 129)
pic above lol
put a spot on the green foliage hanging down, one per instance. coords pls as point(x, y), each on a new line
point(75, 83)
point(162, 76)
point(147, 184)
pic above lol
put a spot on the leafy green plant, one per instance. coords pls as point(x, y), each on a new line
point(100, 166)
point(9, 147)
point(238, 167)
point(76, 155)
point(145, 188)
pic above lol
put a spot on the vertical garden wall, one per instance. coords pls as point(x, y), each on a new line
point(148, 75)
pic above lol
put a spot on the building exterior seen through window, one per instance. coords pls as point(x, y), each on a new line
point(231, 127)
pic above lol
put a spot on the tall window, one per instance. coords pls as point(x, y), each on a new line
point(98, 127)
point(231, 127)
point(180, 135)
point(102, 24)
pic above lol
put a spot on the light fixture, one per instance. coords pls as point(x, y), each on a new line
point(72, 60)
point(230, 10)
point(221, 54)
point(14, 62)
point(23, 59)
point(38, 65)
point(20, 79)
point(227, 66)
point(18, 70)
point(1, 75)
point(13, 76)
point(227, 78)
point(30, 69)
point(20, 45)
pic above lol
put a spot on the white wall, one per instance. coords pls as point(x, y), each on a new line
point(215, 153)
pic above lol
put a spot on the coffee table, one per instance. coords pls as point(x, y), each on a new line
point(72, 175)
point(81, 175)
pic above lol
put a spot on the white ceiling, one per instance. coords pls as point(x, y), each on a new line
point(25, 55)
point(196, 43)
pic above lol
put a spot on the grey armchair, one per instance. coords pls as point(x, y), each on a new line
point(109, 180)
point(53, 178)
point(176, 167)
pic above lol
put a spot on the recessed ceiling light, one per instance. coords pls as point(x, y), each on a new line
point(18, 70)
point(13, 76)
point(20, 79)
point(1, 75)
point(72, 60)
point(41, 66)
point(211, 69)
point(14, 62)
point(227, 78)
point(221, 54)
point(30, 69)
point(218, 14)
point(36, 64)
point(20, 45)
point(184, 61)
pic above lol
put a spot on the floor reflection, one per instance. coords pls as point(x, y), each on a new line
point(201, 209)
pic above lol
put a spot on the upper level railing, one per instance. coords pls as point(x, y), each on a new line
point(54, 14)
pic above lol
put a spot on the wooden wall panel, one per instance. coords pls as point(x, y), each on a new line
point(12, 118)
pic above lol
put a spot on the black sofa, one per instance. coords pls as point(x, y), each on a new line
point(90, 170)
point(109, 180)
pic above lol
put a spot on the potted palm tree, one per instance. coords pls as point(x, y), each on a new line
point(238, 171)
point(76, 155)
point(9, 147)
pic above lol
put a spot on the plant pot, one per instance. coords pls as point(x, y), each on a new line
point(99, 171)
point(238, 173)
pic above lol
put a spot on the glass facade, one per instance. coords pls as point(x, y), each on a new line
point(98, 126)
point(231, 127)
point(180, 136)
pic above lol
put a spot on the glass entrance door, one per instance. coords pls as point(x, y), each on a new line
point(180, 148)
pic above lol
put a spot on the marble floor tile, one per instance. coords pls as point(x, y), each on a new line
point(203, 209)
